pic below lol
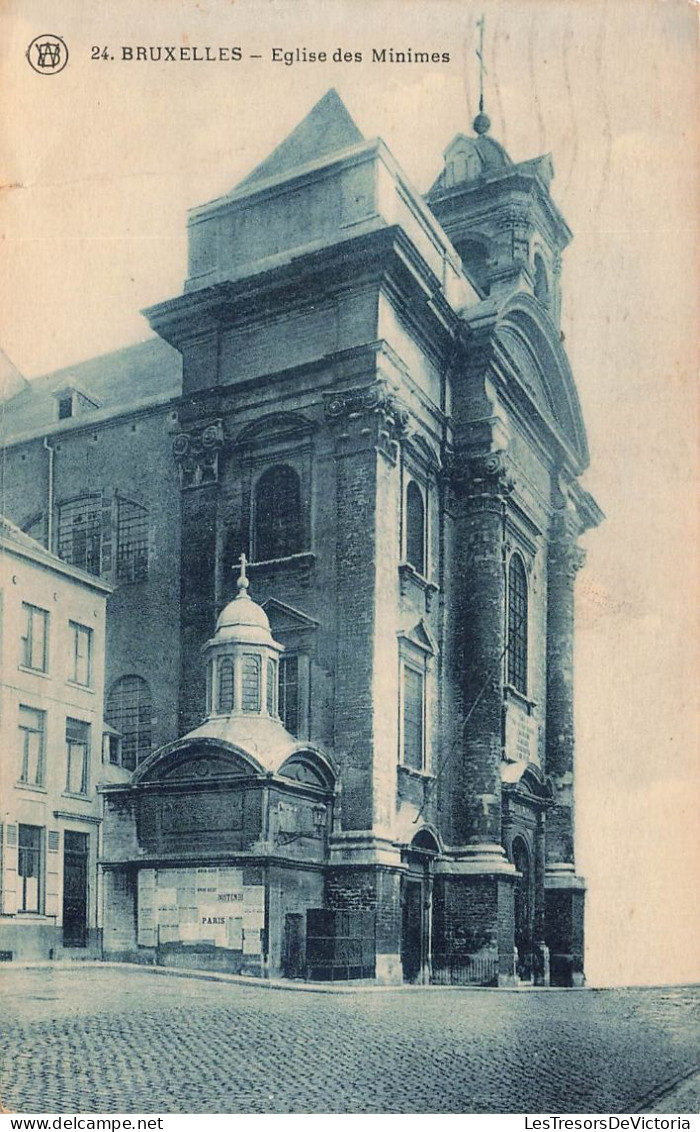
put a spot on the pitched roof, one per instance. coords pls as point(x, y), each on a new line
point(11, 380)
point(12, 538)
point(326, 129)
point(137, 375)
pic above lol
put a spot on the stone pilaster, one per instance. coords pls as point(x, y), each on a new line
point(541, 959)
point(197, 453)
point(366, 424)
point(565, 559)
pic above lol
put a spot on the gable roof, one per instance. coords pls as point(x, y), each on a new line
point(326, 129)
point(146, 373)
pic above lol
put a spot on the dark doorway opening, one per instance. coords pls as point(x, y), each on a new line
point(412, 933)
point(293, 949)
point(523, 909)
point(75, 888)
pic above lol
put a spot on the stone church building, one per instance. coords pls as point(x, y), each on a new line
point(338, 501)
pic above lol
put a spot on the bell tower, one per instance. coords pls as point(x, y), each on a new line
point(500, 215)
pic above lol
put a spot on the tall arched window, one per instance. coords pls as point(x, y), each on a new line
point(250, 682)
point(517, 624)
point(541, 280)
point(224, 702)
point(278, 522)
point(415, 528)
point(129, 709)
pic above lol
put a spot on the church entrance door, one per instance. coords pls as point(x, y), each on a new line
point(75, 890)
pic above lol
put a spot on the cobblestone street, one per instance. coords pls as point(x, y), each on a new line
point(91, 1039)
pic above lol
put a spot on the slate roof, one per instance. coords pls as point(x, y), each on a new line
point(326, 129)
point(139, 375)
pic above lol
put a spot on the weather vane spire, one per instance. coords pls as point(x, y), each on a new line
point(482, 121)
point(482, 66)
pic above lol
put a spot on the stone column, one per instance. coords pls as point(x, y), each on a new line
point(480, 599)
point(564, 890)
point(473, 921)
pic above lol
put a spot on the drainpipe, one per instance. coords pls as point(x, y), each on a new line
point(49, 502)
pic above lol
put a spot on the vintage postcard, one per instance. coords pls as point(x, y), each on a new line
point(348, 537)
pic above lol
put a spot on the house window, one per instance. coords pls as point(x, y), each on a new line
point(278, 523)
point(413, 718)
point(132, 541)
point(111, 749)
point(77, 756)
point(81, 661)
point(225, 698)
point(250, 683)
point(65, 407)
point(80, 533)
point(32, 736)
point(415, 528)
point(129, 710)
point(271, 688)
point(517, 624)
point(30, 867)
point(288, 694)
point(35, 639)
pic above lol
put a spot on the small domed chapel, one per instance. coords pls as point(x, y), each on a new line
point(339, 501)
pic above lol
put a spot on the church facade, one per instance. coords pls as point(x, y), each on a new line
point(339, 502)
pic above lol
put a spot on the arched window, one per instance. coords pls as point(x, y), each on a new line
point(541, 280)
point(517, 624)
point(271, 688)
point(210, 687)
point(129, 709)
point(224, 702)
point(278, 526)
point(415, 528)
point(250, 682)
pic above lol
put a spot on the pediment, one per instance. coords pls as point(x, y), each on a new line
point(199, 765)
point(197, 761)
point(274, 427)
point(423, 452)
point(531, 345)
point(284, 618)
point(527, 781)
point(306, 768)
point(529, 372)
point(420, 637)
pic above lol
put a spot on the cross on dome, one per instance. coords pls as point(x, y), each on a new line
point(243, 581)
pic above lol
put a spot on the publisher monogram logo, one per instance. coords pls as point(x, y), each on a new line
point(47, 54)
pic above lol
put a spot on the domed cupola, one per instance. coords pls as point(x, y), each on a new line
point(242, 659)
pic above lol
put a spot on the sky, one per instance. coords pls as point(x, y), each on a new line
point(101, 163)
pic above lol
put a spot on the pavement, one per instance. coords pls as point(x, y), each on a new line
point(96, 1038)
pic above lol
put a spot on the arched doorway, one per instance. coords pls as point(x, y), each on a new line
point(416, 907)
point(523, 908)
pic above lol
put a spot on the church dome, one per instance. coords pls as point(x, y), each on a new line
point(243, 620)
